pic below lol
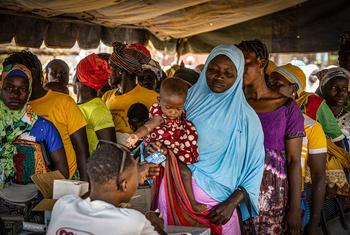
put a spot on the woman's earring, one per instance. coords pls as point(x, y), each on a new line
point(294, 94)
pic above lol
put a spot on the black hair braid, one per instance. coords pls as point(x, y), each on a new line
point(27, 59)
point(258, 47)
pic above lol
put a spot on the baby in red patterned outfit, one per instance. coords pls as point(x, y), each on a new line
point(168, 125)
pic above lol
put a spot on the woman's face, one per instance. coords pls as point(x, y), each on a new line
point(58, 72)
point(253, 68)
point(116, 76)
point(221, 74)
point(336, 91)
point(148, 80)
point(278, 83)
point(15, 92)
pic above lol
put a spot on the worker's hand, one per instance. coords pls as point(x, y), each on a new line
point(147, 171)
point(131, 141)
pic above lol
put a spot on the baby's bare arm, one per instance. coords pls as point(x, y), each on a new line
point(149, 126)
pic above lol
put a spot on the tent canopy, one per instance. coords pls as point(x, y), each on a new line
point(184, 25)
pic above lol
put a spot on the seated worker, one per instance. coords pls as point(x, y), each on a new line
point(114, 179)
point(92, 74)
point(25, 137)
point(61, 110)
point(168, 124)
point(57, 76)
point(127, 64)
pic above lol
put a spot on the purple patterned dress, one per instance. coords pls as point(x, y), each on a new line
point(286, 122)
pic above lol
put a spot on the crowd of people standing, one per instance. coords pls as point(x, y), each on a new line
point(247, 148)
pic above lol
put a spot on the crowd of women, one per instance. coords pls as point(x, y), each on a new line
point(261, 137)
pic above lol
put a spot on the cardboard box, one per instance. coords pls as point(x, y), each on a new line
point(53, 185)
point(45, 185)
point(65, 187)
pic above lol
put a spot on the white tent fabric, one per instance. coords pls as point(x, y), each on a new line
point(164, 18)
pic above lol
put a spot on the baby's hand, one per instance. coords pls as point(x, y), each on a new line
point(132, 140)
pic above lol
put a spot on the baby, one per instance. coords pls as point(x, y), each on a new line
point(168, 125)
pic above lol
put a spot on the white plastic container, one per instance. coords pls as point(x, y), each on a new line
point(67, 187)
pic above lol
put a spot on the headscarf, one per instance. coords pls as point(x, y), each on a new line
point(231, 139)
point(333, 73)
point(141, 48)
point(13, 123)
point(93, 71)
point(293, 74)
point(133, 60)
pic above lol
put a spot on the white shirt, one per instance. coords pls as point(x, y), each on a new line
point(73, 215)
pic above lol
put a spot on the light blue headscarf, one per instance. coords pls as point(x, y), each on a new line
point(231, 139)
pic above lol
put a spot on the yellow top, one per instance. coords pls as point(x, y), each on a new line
point(63, 112)
point(120, 104)
point(314, 142)
point(98, 117)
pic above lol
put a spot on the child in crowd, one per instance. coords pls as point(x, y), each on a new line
point(114, 179)
point(168, 124)
point(137, 116)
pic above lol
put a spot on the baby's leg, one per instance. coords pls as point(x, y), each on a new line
point(186, 177)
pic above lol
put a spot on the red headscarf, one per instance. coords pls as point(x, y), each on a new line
point(93, 71)
point(141, 48)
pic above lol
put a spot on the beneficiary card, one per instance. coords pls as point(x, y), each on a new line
point(155, 158)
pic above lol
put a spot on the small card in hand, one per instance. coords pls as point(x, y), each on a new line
point(156, 158)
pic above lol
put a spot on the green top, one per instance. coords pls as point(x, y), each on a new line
point(329, 123)
point(98, 117)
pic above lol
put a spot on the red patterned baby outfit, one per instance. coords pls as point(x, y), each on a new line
point(179, 135)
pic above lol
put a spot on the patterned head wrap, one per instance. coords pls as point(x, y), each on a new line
point(333, 73)
point(133, 59)
point(93, 71)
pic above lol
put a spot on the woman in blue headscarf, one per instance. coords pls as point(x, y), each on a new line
point(231, 150)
